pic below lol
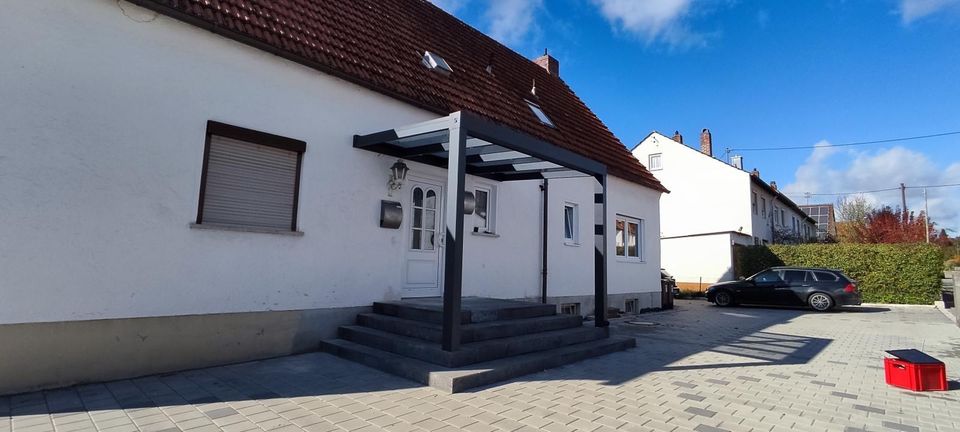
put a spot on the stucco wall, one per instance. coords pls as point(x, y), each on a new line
point(706, 195)
point(692, 260)
point(100, 168)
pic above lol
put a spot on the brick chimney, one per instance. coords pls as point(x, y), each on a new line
point(773, 185)
point(706, 143)
point(677, 137)
point(755, 173)
point(549, 63)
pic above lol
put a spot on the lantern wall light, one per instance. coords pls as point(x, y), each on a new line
point(398, 173)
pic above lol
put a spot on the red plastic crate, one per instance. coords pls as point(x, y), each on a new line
point(918, 375)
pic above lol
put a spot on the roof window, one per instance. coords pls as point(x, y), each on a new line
point(435, 62)
point(540, 114)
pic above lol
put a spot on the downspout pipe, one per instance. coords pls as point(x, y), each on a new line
point(545, 191)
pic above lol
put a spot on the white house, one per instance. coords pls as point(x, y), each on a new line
point(186, 184)
point(713, 205)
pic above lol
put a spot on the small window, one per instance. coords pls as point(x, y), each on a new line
point(763, 207)
point(753, 203)
point(631, 306)
point(540, 114)
point(485, 211)
point(655, 162)
point(249, 179)
point(629, 237)
point(571, 223)
point(435, 62)
point(570, 308)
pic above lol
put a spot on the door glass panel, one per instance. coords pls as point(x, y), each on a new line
point(430, 219)
point(632, 249)
point(428, 243)
point(417, 218)
point(794, 276)
point(620, 240)
point(416, 239)
point(431, 201)
point(768, 276)
point(418, 197)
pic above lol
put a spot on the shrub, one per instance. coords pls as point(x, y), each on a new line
point(885, 273)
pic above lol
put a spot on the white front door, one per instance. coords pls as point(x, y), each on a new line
point(423, 271)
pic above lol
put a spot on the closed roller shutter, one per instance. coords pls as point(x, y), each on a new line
point(249, 184)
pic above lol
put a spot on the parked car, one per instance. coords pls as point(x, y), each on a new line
point(666, 279)
point(819, 288)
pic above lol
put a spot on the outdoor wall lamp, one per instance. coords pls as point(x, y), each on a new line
point(398, 173)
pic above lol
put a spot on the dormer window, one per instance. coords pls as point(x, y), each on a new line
point(540, 114)
point(435, 62)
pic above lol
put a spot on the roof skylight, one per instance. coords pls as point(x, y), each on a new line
point(435, 62)
point(540, 114)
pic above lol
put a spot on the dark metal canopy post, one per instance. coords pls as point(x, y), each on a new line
point(453, 250)
point(600, 260)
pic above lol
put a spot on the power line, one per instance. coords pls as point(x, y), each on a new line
point(875, 190)
point(846, 144)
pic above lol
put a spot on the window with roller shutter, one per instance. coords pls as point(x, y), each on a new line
point(250, 179)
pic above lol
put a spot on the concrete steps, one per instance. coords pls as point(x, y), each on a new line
point(456, 380)
point(500, 339)
point(469, 332)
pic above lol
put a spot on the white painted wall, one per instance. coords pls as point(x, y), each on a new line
point(102, 144)
point(706, 259)
point(630, 275)
point(706, 195)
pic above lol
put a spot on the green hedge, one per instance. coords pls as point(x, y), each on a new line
point(886, 273)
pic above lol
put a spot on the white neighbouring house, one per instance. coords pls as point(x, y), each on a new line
point(713, 205)
point(187, 183)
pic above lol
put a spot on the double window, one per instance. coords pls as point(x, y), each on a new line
point(629, 238)
point(655, 162)
point(250, 179)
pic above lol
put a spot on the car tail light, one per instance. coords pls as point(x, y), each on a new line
point(850, 288)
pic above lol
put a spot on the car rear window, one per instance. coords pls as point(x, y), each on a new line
point(825, 276)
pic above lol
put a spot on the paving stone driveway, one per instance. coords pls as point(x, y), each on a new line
point(698, 368)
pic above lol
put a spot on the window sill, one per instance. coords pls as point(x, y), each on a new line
point(485, 234)
point(630, 260)
point(247, 229)
point(571, 243)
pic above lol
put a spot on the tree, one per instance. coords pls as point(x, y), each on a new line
point(852, 212)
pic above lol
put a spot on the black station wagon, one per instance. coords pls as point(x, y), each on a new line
point(819, 288)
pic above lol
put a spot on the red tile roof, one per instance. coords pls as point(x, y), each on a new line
point(379, 44)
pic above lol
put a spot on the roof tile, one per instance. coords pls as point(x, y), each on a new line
point(379, 43)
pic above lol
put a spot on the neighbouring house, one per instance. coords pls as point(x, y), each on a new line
point(826, 219)
point(190, 183)
point(712, 206)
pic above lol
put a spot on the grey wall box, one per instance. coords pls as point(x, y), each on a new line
point(391, 214)
point(469, 203)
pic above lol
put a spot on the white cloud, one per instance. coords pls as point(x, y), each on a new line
point(912, 10)
point(653, 20)
point(830, 170)
point(451, 6)
point(510, 21)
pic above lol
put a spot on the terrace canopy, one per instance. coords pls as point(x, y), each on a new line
point(466, 143)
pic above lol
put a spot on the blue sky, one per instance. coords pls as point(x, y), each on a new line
point(765, 74)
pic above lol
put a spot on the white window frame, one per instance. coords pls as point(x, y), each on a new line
point(491, 228)
point(574, 238)
point(627, 221)
point(658, 157)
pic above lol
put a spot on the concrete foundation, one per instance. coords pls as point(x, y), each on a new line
point(48, 355)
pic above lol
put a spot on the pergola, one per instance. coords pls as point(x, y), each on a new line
point(466, 143)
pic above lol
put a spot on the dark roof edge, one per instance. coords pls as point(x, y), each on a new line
point(780, 196)
point(707, 234)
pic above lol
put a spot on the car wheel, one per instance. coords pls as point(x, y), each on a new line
point(820, 302)
point(723, 298)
